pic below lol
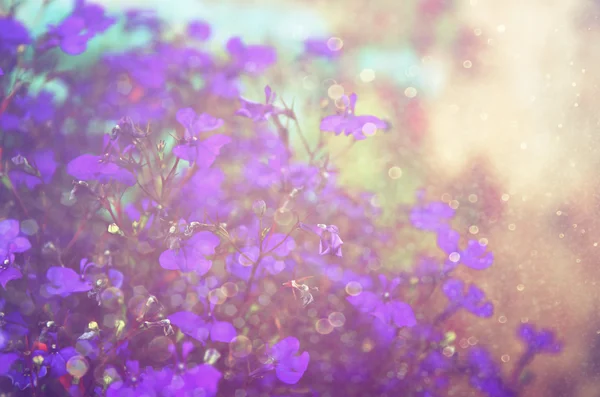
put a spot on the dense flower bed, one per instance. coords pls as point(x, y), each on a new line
point(190, 249)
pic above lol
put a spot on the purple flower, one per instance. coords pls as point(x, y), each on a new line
point(191, 256)
point(74, 32)
point(484, 374)
point(472, 300)
point(135, 18)
point(350, 124)
point(88, 167)
point(257, 111)
point(431, 216)
point(20, 375)
point(41, 108)
point(39, 168)
point(250, 58)
point(224, 85)
point(10, 244)
point(199, 30)
point(384, 305)
point(192, 149)
point(1, 72)
point(282, 357)
point(57, 360)
point(473, 256)
point(64, 281)
point(12, 34)
point(199, 380)
point(319, 47)
point(194, 326)
point(543, 341)
point(134, 384)
point(330, 241)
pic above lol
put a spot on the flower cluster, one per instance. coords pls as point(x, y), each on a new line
point(191, 249)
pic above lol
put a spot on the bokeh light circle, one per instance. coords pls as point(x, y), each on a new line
point(240, 346)
point(337, 319)
point(77, 366)
point(323, 326)
point(353, 288)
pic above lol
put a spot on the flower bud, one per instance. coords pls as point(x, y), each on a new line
point(259, 207)
point(160, 146)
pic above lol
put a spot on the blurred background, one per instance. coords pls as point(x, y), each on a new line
point(492, 109)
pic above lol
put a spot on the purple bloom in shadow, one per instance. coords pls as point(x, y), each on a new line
point(41, 108)
point(191, 148)
point(384, 305)
point(135, 384)
point(191, 256)
point(88, 167)
point(194, 326)
point(20, 374)
point(284, 359)
point(10, 244)
point(64, 281)
point(472, 300)
point(431, 216)
point(250, 58)
point(485, 375)
point(330, 241)
point(12, 34)
point(350, 124)
point(57, 360)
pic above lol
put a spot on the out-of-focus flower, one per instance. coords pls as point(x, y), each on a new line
point(195, 326)
point(10, 244)
point(485, 374)
point(191, 148)
point(258, 111)
point(20, 375)
point(431, 216)
point(384, 304)
point(134, 383)
point(472, 300)
point(64, 281)
point(319, 47)
point(88, 167)
point(330, 243)
point(543, 341)
point(198, 30)
point(475, 255)
point(56, 360)
point(135, 18)
point(350, 124)
point(12, 35)
point(74, 32)
point(192, 255)
point(282, 357)
point(250, 58)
